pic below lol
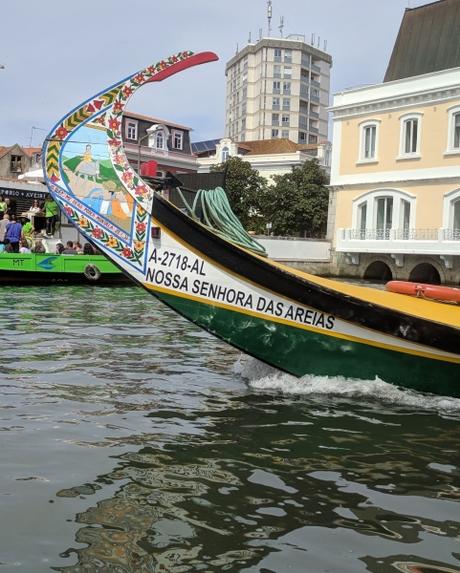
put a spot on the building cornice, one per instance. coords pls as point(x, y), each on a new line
point(396, 103)
point(278, 43)
point(434, 86)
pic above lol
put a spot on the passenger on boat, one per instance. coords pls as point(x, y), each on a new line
point(3, 225)
point(24, 248)
point(28, 232)
point(88, 249)
point(35, 207)
point(38, 247)
point(3, 206)
point(69, 249)
point(59, 247)
point(10, 206)
point(51, 214)
point(13, 234)
point(78, 248)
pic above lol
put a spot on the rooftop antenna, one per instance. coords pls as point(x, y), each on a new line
point(313, 39)
point(249, 38)
point(237, 48)
point(319, 41)
point(281, 26)
point(32, 133)
point(269, 16)
point(260, 33)
point(325, 46)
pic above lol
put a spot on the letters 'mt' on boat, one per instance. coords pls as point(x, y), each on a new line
point(297, 322)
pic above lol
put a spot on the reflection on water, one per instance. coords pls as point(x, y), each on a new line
point(131, 445)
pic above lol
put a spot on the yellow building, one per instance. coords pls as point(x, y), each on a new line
point(395, 178)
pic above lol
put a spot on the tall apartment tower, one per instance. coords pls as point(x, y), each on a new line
point(278, 87)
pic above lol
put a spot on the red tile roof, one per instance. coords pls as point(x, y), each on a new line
point(272, 146)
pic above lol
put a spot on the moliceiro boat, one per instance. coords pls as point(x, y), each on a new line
point(200, 263)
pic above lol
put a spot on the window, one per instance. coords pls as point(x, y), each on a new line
point(276, 87)
point(276, 103)
point(159, 140)
point(288, 56)
point(285, 133)
point(285, 120)
point(368, 141)
point(362, 220)
point(275, 118)
point(277, 54)
point(276, 71)
point(302, 137)
point(451, 215)
point(404, 218)
point(177, 139)
point(288, 72)
point(16, 164)
point(383, 215)
point(456, 222)
point(410, 135)
point(287, 88)
point(456, 134)
point(453, 130)
point(131, 129)
point(286, 104)
point(225, 154)
point(275, 133)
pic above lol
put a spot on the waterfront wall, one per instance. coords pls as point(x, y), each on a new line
point(296, 249)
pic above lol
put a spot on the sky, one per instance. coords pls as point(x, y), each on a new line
point(57, 53)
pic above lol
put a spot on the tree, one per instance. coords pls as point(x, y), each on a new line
point(245, 190)
point(297, 203)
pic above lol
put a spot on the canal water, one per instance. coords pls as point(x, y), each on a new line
point(131, 441)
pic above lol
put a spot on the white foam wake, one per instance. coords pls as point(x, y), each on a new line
point(264, 378)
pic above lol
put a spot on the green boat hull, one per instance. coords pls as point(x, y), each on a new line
point(37, 268)
point(303, 352)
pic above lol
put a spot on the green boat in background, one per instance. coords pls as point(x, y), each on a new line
point(46, 268)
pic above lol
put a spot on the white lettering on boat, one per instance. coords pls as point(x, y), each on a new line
point(182, 271)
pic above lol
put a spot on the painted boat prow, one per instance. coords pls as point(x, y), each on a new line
point(299, 323)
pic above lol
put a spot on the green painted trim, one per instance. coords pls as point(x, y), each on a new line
point(51, 263)
point(300, 352)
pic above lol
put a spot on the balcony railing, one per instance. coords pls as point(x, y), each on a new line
point(408, 241)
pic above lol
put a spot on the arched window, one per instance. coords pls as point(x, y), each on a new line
point(368, 141)
point(451, 215)
point(225, 154)
point(383, 214)
point(453, 130)
point(410, 138)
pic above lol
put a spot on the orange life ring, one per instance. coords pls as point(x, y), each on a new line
point(432, 292)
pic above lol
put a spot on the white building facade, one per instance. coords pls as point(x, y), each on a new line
point(278, 87)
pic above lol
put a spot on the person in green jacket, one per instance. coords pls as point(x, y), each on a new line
point(28, 232)
point(51, 213)
point(3, 206)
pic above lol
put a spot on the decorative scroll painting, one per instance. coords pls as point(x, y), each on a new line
point(88, 172)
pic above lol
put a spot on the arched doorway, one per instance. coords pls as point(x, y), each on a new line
point(378, 271)
point(425, 273)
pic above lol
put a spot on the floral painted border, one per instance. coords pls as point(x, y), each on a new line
point(134, 254)
point(112, 103)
